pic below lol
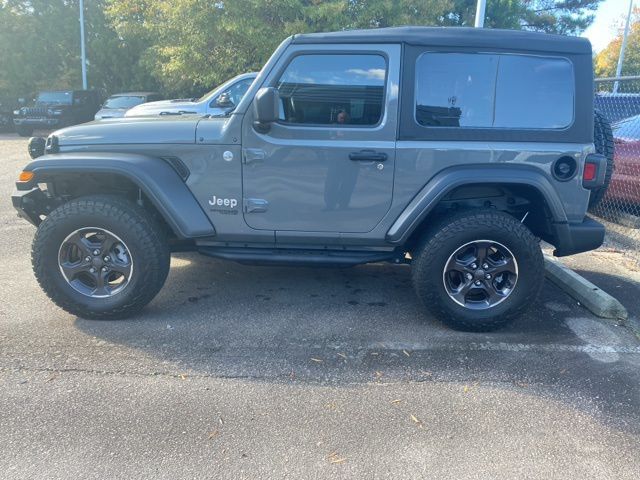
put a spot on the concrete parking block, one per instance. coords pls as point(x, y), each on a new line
point(589, 295)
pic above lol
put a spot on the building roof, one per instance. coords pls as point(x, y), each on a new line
point(455, 37)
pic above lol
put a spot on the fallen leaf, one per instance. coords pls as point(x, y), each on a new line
point(465, 389)
point(317, 360)
point(396, 401)
point(417, 421)
point(183, 376)
point(379, 374)
point(333, 457)
point(341, 355)
point(53, 376)
point(213, 434)
point(406, 353)
point(375, 353)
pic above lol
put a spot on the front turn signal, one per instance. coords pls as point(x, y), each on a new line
point(25, 176)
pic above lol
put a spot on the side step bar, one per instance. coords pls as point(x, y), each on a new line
point(325, 258)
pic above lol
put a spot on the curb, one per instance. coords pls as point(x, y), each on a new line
point(590, 296)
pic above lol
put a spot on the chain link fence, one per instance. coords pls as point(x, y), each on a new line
point(617, 205)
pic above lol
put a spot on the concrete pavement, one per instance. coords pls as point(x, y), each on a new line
point(254, 372)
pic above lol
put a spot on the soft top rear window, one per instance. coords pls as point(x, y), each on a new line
point(494, 91)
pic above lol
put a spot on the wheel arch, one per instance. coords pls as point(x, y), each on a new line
point(488, 186)
point(155, 178)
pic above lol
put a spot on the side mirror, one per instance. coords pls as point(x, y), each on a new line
point(224, 101)
point(265, 108)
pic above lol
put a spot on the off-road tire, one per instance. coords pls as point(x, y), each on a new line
point(24, 131)
point(441, 241)
point(138, 230)
point(603, 141)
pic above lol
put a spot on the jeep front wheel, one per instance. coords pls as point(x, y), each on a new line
point(479, 270)
point(24, 131)
point(100, 257)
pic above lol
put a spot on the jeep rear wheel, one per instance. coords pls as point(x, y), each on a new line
point(478, 270)
point(100, 257)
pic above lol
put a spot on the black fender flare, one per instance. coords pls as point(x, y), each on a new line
point(447, 180)
point(154, 176)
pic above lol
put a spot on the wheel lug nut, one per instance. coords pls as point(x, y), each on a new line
point(469, 276)
point(485, 266)
point(474, 266)
point(487, 276)
point(478, 283)
point(87, 259)
point(96, 252)
point(92, 270)
point(107, 258)
point(104, 269)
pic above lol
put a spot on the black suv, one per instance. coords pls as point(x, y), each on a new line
point(57, 109)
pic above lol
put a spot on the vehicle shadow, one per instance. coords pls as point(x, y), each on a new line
point(365, 324)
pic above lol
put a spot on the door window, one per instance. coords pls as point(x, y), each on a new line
point(331, 89)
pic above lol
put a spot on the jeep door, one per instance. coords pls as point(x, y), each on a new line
point(328, 164)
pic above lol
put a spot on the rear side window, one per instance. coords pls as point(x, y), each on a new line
point(494, 91)
point(333, 90)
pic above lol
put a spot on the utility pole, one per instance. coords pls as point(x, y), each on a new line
point(623, 46)
point(480, 8)
point(83, 54)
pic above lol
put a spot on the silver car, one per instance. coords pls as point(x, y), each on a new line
point(215, 103)
point(117, 105)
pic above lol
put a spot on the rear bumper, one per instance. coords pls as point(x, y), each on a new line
point(578, 237)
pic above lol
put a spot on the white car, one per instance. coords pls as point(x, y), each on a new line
point(117, 105)
point(215, 103)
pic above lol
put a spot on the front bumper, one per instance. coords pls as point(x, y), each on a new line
point(36, 122)
point(31, 204)
point(578, 237)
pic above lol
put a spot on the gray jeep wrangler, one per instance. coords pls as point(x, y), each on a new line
point(452, 149)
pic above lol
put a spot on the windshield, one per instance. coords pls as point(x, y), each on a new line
point(124, 101)
point(55, 97)
point(243, 85)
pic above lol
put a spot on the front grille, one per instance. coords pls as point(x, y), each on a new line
point(37, 112)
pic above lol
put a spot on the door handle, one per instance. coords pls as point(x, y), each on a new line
point(368, 156)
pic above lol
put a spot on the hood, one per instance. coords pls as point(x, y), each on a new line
point(144, 130)
point(171, 106)
point(149, 131)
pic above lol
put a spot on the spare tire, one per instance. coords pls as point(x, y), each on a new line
point(603, 140)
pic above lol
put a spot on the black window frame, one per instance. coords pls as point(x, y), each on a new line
point(580, 131)
point(334, 126)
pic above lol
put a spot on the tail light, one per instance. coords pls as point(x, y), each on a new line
point(595, 166)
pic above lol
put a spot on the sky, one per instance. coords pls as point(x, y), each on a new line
point(602, 30)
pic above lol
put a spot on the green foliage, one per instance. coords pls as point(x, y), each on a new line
point(40, 49)
point(607, 60)
point(184, 47)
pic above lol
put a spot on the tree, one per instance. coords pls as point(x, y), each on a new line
point(184, 47)
point(567, 17)
point(40, 49)
point(607, 60)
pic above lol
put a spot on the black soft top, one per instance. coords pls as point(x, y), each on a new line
point(455, 37)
